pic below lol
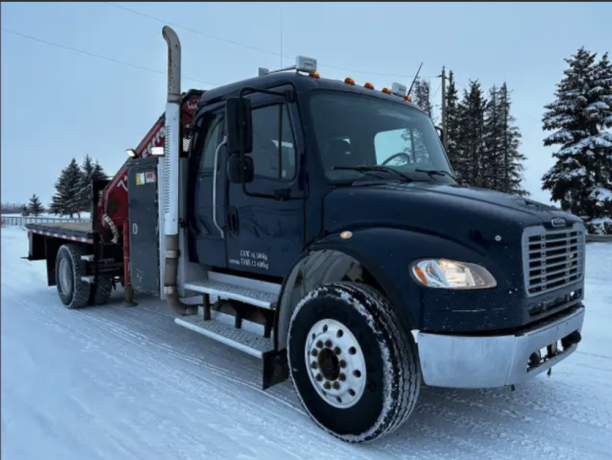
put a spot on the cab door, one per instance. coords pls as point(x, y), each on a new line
point(207, 191)
point(266, 232)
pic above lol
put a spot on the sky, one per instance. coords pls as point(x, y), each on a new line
point(60, 103)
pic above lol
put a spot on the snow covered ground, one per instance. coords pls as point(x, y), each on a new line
point(119, 383)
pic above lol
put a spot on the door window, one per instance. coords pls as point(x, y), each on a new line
point(273, 154)
point(211, 142)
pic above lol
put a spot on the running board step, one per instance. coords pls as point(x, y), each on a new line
point(245, 341)
point(223, 290)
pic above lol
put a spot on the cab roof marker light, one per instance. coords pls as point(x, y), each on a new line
point(349, 81)
point(368, 86)
point(386, 90)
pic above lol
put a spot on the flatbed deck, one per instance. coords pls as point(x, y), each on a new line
point(75, 231)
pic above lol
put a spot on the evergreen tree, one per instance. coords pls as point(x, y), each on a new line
point(452, 121)
point(35, 207)
point(470, 138)
point(511, 159)
point(493, 155)
point(422, 96)
point(580, 119)
point(68, 186)
point(90, 171)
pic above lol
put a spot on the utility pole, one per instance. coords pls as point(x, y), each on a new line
point(444, 131)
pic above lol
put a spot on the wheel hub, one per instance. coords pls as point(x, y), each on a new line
point(65, 276)
point(335, 363)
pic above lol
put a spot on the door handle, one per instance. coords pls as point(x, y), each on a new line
point(214, 187)
point(232, 220)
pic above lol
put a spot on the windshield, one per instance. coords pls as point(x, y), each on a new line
point(357, 131)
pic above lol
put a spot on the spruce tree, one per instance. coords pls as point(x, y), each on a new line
point(66, 200)
point(511, 159)
point(452, 122)
point(90, 171)
point(493, 139)
point(35, 207)
point(422, 96)
point(580, 119)
point(470, 140)
point(87, 167)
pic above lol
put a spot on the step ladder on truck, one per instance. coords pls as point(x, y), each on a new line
point(324, 219)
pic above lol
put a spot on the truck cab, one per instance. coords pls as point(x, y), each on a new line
point(343, 196)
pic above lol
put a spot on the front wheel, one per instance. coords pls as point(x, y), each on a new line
point(355, 371)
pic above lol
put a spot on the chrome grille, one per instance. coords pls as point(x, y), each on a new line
point(552, 258)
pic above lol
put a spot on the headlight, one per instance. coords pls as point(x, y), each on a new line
point(449, 274)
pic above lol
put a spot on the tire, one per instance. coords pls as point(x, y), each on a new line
point(384, 372)
point(101, 291)
point(73, 292)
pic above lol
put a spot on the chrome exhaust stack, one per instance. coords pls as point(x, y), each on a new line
point(170, 188)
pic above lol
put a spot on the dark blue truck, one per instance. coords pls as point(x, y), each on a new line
point(320, 227)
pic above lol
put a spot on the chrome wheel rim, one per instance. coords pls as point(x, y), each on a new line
point(335, 363)
point(65, 276)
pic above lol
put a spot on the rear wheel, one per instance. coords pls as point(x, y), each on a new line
point(356, 373)
point(101, 290)
point(69, 268)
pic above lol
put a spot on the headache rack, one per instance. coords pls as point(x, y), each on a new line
point(552, 259)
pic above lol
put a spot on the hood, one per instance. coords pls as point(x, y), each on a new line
point(437, 209)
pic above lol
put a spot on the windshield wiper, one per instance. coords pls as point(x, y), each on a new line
point(375, 168)
point(433, 172)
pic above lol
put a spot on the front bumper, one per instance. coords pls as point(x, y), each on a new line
point(494, 361)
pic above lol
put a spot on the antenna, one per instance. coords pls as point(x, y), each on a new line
point(415, 78)
point(281, 37)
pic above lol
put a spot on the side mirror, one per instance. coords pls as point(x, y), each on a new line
point(238, 125)
point(240, 170)
point(440, 132)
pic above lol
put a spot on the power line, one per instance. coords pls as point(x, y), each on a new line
point(250, 47)
point(98, 56)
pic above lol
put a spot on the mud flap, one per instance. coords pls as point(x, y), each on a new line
point(275, 368)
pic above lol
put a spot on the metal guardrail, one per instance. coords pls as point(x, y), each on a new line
point(599, 238)
point(21, 221)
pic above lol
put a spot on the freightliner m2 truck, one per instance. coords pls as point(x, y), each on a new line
point(323, 219)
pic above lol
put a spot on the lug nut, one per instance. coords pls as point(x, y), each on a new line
point(328, 343)
point(337, 350)
point(314, 353)
point(319, 377)
point(336, 386)
point(314, 365)
point(319, 344)
point(342, 363)
point(327, 385)
point(342, 377)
